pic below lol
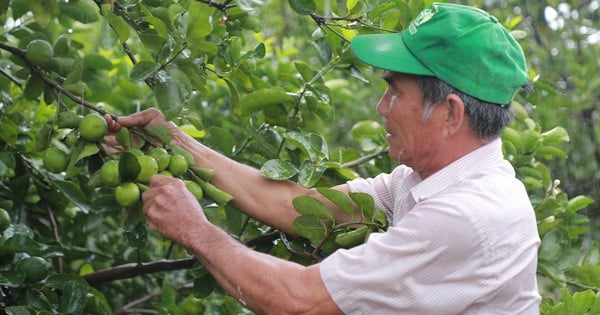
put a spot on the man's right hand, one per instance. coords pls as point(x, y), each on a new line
point(143, 119)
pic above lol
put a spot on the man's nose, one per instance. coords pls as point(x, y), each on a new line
point(383, 106)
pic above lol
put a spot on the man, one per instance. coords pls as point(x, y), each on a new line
point(462, 237)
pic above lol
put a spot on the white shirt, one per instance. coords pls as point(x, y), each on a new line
point(462, 241)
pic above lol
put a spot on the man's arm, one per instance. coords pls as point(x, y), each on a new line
point(262, 283)
point(265, 200)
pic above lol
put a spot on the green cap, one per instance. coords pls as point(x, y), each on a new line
point(464, 46)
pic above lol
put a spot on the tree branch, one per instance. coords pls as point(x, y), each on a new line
point(134, 269)
point(363, 159)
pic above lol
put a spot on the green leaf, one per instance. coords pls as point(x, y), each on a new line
point(137, 237)
point(72, 191)
point(303, 142)
point(587, 274)
point(84, 11)
point(169, 98)
point(19, 310)
point(213, 193)
point(129, 167)
point(234, 97)
point(307, 205)
point(158, 25)
point(97, 61)
point(350, 4)
point(198, 20)
point(124, 137)
point(160, 132)
point(556, 135)
point(89, 149)
point(263, 98)
point(310, 227)
point(169, 296)
point(118, 24)
point(74, 297)
point(221, 140)
point(143, 70)
point(303, 6)
point(578, 202)
point(204, 285)
point(338, 198)
point(278, 169)
point(97, 303)
point(34, 87)
point(9, 131)
point(310, 173)
point(364, 202)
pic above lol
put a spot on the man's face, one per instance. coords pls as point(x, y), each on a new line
point(412, 140)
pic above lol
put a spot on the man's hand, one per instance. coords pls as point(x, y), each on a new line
point(143, 119)
point(172, 210)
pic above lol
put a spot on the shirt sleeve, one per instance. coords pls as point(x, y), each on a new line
point(381, 190)
point(429, 263)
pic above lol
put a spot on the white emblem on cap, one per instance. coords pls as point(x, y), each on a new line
point(423, 17)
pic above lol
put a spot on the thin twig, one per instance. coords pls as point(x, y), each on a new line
point(129, 307)
point(363, 159)
point(10, 77)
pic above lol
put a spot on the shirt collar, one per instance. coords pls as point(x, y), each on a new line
point(482, 157)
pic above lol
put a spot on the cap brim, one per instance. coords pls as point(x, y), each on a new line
point(387, 52)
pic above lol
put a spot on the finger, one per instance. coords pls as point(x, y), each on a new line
point(161, 180)
point(142, 118)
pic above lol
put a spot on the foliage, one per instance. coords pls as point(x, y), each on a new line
point(280, 96)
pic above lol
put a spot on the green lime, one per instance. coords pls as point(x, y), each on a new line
point(127, 194)
point(148, 167)
point(93, 127)
point(178, 165)
point(194, 188)
point(35, 268)
point(55, 160)
point(39, 52)
point(161, 156)
point(109, 173)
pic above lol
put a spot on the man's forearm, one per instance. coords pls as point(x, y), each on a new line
point(260, 282)
point(263, 199)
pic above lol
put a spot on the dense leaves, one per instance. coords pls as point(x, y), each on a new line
point(270, 84)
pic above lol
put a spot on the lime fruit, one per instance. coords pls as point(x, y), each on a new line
point(39, 52)
point(148, 167)
point(194, 188)
point(55, 160)
point(177, 165)
point(35, 268)
point(4, 220)
point(109, 173)
point(161, 156)
point(127, 194)
point(93, 127)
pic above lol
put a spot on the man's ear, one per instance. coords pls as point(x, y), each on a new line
point(454, 114)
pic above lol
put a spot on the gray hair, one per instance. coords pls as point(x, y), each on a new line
point(486, 120)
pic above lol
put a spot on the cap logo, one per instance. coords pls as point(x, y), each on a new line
point(423, 17)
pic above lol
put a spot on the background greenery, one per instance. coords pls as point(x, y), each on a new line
point(271, 84)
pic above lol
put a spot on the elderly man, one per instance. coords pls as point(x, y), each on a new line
point(462, 237)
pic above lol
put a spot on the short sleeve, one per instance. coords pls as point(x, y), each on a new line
point(422, 265)
point(384, 193)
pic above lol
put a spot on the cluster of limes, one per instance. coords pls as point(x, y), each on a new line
point(91, 127)
point(157, 161)
point(115, 171)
